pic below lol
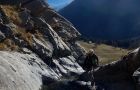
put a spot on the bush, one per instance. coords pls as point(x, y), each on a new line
point(12, 13)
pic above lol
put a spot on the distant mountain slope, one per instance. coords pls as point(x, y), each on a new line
point(105, 19)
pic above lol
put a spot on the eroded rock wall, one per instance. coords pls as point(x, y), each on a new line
point(39, 60)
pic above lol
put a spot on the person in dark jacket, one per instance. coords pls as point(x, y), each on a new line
point(91, 61)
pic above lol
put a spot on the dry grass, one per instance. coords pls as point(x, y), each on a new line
point(3, 46)
point(27, 37)
point(22, 34)
point(12, 13)
point(106, 53)
point(8, 44)
point(38, 35)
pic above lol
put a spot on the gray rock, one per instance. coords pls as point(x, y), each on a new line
point(2, 36)
point(22, 71)
point(62, 26)
point(60, 47)
point(25, 16)
point(6, 30)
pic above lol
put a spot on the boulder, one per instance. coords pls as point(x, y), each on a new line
point(61, 49)
point(43, 49)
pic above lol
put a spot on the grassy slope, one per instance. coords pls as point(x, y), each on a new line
point(106, 53)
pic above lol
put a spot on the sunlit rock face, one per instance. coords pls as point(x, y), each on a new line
point(105, 19)
point(48, 54)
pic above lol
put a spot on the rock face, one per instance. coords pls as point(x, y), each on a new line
point(2, 36)
point(43, 57)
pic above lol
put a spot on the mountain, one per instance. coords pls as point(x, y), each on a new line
point(105, 19)
point(39, 51)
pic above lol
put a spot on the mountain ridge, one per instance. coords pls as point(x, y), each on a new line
point(104, 19)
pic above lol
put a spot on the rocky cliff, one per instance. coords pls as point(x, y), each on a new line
point(38, 51)
point(37, 45)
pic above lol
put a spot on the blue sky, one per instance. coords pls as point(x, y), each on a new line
point(59, 4)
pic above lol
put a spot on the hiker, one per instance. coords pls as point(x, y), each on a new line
point(91, 61)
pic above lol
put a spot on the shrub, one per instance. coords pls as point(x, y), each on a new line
point(11, 12)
